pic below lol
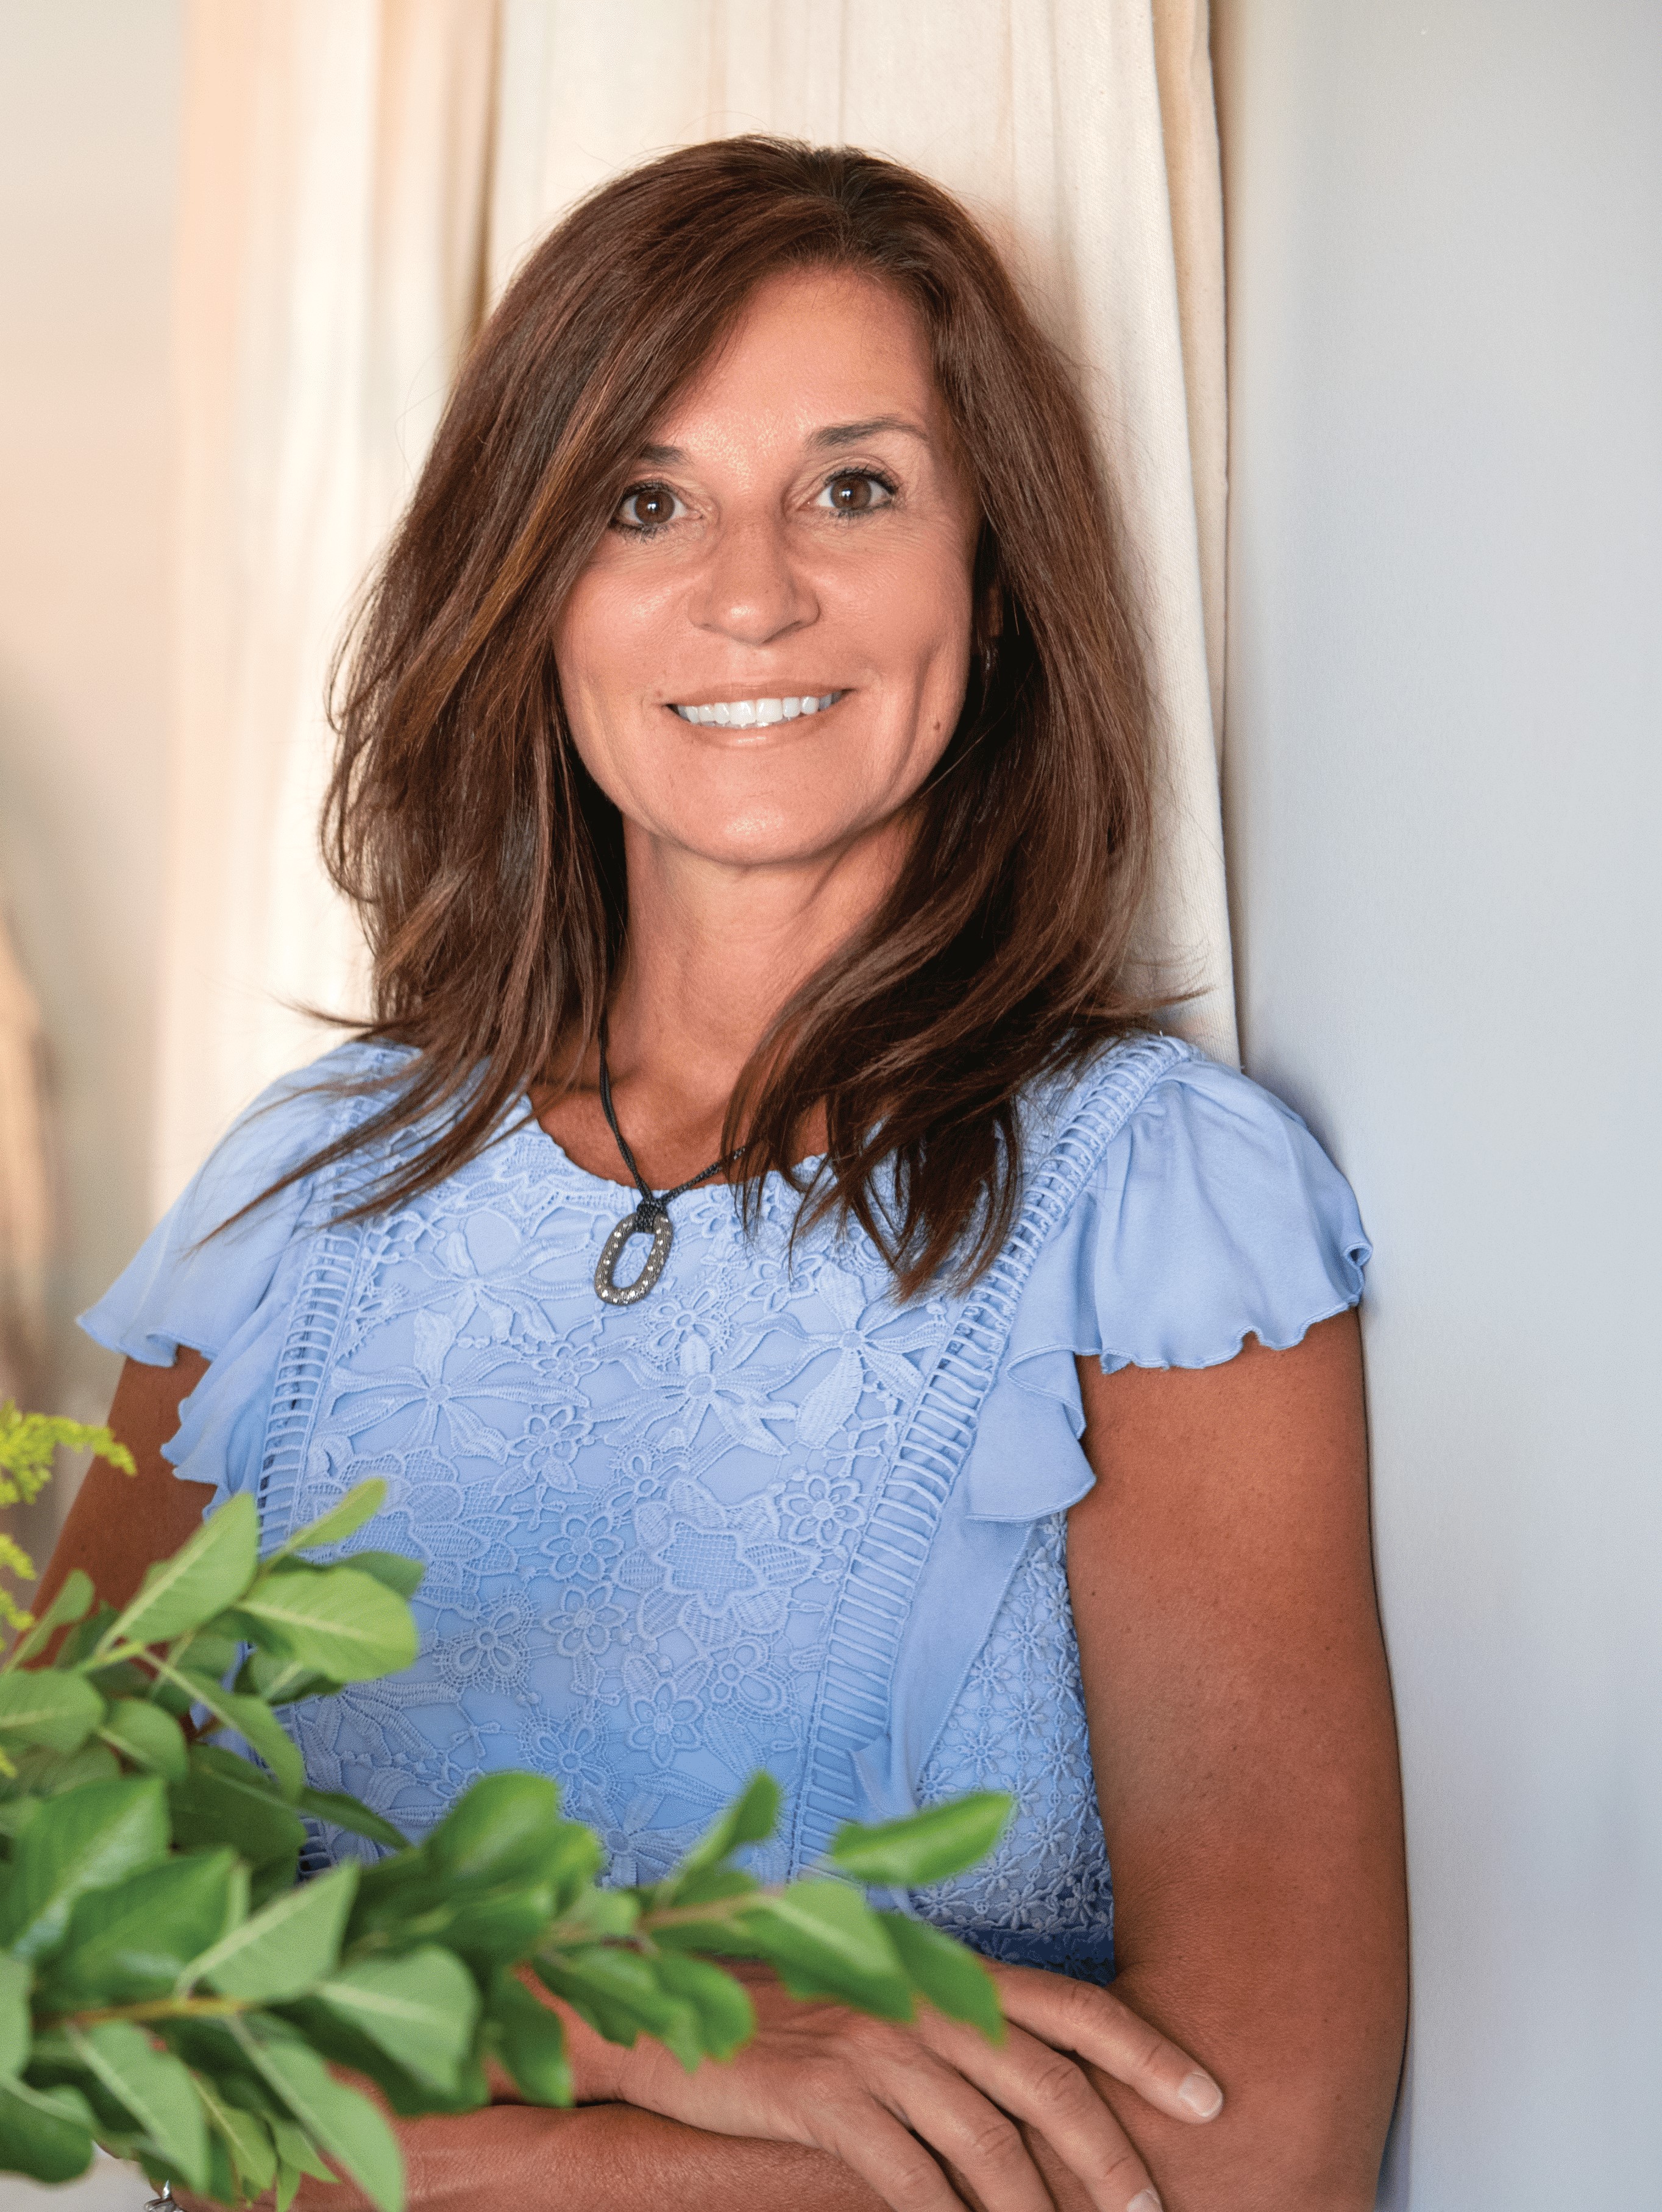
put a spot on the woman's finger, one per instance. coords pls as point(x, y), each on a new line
point(876, 2147)
point(1034, 2081)
point(1091, 2022)
point(977, 2137)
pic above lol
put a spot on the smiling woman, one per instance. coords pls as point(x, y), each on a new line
point(743, 778)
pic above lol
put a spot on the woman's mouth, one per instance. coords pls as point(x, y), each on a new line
point(756, 714)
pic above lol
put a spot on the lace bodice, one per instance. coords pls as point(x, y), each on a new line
point(770, 1515)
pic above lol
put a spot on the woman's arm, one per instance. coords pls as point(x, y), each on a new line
point(119, 1523)
point(1245, 1755)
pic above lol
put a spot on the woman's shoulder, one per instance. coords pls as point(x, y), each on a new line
point(212, 1260)
point(1201, 1209)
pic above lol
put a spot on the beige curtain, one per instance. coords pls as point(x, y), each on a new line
point(331, 260)
point(362, 175)
point(25, 1198)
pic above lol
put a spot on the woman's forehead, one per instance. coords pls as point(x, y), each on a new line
point(822, 356)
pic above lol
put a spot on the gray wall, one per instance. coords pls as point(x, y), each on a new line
point(88, 128)
point(1445, 228)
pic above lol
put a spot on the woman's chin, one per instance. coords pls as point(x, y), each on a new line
point(767, 839)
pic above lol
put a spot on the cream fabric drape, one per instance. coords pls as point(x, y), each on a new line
point(332, 233)
point(362, 175)
point(25, 1194)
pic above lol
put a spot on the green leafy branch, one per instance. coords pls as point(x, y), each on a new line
point(169, 1988)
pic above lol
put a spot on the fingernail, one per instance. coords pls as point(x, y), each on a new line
point(1201, 2094)
point(1144, 2201)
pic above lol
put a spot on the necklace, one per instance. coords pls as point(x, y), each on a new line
point(649, 1218)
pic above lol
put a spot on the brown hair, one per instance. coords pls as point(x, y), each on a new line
point(487, 866)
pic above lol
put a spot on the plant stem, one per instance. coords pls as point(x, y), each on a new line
point(153, 2008)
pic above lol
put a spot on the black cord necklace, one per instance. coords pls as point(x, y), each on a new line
point(650, 1218)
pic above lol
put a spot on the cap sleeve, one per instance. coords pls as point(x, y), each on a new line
point(1213, 1215)
point(225, 1290)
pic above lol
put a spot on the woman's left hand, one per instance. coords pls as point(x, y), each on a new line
point(1075, 2141)
point(877, 2095)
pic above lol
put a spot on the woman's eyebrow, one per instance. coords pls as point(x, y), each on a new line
point(851, 434)
point(830, 440)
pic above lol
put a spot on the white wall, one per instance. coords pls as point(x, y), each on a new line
point(1445, 230)
point(88, 115)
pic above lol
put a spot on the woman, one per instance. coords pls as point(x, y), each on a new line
point(743, 779)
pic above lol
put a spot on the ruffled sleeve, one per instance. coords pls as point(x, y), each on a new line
point(227, 1295)
point(1213, 1215)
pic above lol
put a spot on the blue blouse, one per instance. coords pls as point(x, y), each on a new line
point(770, 1515)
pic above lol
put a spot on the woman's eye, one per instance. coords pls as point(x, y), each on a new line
point(647, 506)
point(855, 491)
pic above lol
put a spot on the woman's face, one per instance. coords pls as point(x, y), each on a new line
point(767, 653)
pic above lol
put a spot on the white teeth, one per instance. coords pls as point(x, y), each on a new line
point(756, 714)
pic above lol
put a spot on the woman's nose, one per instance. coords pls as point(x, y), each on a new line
point(750, 589)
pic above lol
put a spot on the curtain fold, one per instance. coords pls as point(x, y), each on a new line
point(330, 275)
point(26, 1207)
point(362, 176)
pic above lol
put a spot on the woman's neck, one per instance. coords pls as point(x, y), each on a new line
point(713, 954)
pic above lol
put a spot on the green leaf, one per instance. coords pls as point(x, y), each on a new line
point(202, 1577)
point(502, 1829)
point(395, 1570)
point(224, 2187)
point(347, 2126)
point(45, 1773)
point(252, 1719)
point(84, 1637)
point(530, 2039)
point(285, 1947)
point(618, 1993)
point(155, 2087)
point(149, 1737)
point(71, 1604)
point(208, 1651)
point(825, 1941)
point(59, 1712)
point(295, 2149)
point(344, 1625)
point(361, 1503)
point(727, 2018)
point(15, 2024)
point(606, 1911)
point(951, 1977)
point(212, 1807)
point(246, 2137)
point(44, 2133)
point(343, 1812)
point(282, 1681)
point(488, 1928)
point(133, 1940)
point(421, 2009)
point(928, 1846)
point(84, 1840)
point(750, 1820)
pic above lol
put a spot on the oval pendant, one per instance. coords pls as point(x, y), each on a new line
point(607, 1285)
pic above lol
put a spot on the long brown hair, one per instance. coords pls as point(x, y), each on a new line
point(487, 866)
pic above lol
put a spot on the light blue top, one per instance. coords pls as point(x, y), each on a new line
point(769, 1515)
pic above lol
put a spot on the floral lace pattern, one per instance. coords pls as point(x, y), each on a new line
point(636, 1522)
point(1043, 1898)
